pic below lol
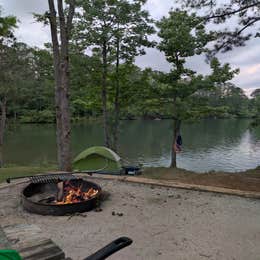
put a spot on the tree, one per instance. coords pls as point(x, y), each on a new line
point(6, 90)
point(86, 74)
point(7, 24)
point(230, 98)
point(183, 35)
point(15, 71)
point(117, 30)
point(236, 100)
point(255, 93)
point(256, 101)
point(133, 85)
point(37, 103)
point(61, 27)
point(95, 28)
point(247, 14)
point(133, 26)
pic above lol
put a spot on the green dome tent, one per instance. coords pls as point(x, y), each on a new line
point(97, 158)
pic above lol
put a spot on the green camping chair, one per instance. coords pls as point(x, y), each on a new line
point(9, 255)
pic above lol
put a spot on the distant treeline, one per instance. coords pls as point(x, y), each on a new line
point(34, 95)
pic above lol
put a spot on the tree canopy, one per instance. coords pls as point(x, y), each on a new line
point(245, 15)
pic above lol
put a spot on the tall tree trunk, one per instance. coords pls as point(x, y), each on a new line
point(176, 132)
point(56, 60)
point(2, 129)
point(104, 95)
point(116, 103)
point(61, 74)
point(64, 91)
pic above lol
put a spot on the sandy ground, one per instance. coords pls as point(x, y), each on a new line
point(165, 223)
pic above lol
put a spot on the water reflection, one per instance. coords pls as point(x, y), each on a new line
point(207, 145)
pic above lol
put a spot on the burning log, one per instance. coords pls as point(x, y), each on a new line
point(67, 193)
point(60, 193)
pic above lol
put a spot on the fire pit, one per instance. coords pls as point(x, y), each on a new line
point(78, 195)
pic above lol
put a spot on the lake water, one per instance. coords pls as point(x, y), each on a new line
point(226, 145)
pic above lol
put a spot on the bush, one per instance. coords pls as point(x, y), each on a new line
point(34, 116)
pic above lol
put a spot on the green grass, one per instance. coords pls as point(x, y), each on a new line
point(246, 181)
point(20, 171)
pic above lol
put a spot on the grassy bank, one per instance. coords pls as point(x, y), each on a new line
point(247, 180)
point(19, 171)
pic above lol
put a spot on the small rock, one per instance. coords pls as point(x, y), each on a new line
point(98, 210)
point(208, 256)
point(117, 214)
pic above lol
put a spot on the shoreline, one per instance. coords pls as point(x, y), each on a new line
point(80, 120)
point(246, 183)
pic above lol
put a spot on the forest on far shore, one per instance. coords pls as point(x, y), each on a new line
point(32, 95)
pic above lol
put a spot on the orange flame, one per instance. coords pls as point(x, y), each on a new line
point(75, 194)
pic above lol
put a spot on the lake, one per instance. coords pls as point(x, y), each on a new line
point(220, 145)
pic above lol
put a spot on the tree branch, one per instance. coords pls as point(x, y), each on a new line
point(63, 31)
point(53, 25)
point(70, 16)
point(232, 12)
point(248, 25)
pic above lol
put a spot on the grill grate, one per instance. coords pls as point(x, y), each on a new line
point(52, 178)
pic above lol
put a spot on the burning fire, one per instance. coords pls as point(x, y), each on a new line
point(72, 194)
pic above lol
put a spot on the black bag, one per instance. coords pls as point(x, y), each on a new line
point(179, 140)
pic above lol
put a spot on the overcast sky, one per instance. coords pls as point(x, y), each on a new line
point(246, 58)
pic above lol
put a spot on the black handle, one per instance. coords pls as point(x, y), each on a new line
point(8, 180)
point(110, 249)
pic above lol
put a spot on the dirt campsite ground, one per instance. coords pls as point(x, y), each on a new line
point(164, 223)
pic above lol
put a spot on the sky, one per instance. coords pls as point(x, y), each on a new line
point(247, 58)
